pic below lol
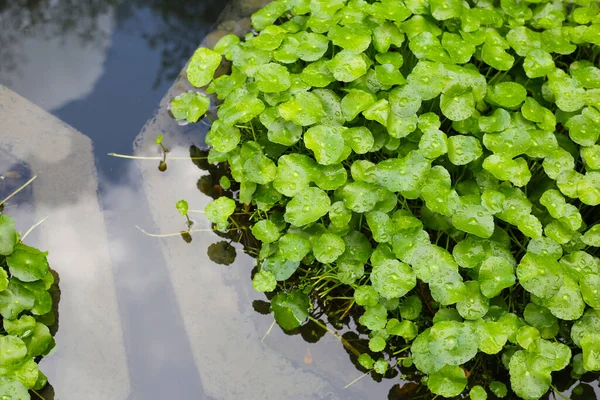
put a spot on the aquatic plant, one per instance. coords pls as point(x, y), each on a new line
point(431, 165)
point(27, 313)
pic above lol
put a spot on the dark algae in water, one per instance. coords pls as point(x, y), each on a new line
point(427, 172)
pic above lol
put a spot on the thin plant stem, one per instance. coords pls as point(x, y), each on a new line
point(268, 331)
point(154, 158)
point(32, 228)
point(556, 391)
point(164, 235)
point(10, 196)
point(358, 379)
point(38, 395)
point(344, 342)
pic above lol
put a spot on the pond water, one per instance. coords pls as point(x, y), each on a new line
point(139, 317)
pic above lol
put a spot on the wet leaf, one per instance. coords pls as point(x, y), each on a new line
point(202, 66)
point(189, 106)
point(307, 206)
point(290, 309)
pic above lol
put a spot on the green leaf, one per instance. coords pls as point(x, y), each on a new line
point(460, 50)
point(326, 142)
point(265, 231)
point(449, 381)
point(545, 247)
point(27, 263)
point(365, 361)
point(8, 234)
point(307, 206)
point(272, 78)
point(312, 46)
point(317, 74)
point(264, 281)
point(12, 388)
point(538, 63)
point(506, 94)
point(491, 336)
point(543, 117)
point(471, 252)
point(374, 318)
point(406, 329)
point(584, 128)
point(360, 197)
point(359, 138)
point(366, 295)
point(328, 248)
point(405, 101)
point(404, 175)
point(290, 309)
point(463, 149)
point(387, 34)
point(348, 66)
point(592, 236)
point(294, 174)
point(457, 102)
point(433, 144)
point(377, 344)
point(591, 156)
point(588, 189)
point(12, 351)
point(294, 247)
point(219, 210)
point(499, 389)
point(443, 10)
point(392, 278)
point(539, 275)
point(355, 102)
point(430, 261)
point(426, 46)
point(268, 15)
point(304, 109)
point(410, 308)
point(526, 383)
point(354, 37)
point(496, 57)
point(424, 360)
point(590, 344)
point(474, 219)
point(182, 207)
point(189, 106)
point(475, 305)
point(497, 122)
point(202, 66)
point(40, 341)
point(381, 226)
point(477, 393)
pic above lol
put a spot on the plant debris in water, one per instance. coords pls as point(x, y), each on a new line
point(27, 313)
point(432, 166)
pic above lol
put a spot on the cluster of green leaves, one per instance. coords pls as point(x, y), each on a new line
point(422, 152)
point(26, 310)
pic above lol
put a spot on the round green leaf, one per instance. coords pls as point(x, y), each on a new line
point(477, 393)
point(290, 309)
point(189, 106)
point(539, 275)
point(453, 342)
point(457, 102)
point(348, 66)
point(8, 234)
point(27, 263)
point(264, 281)
point(463, 149)
point(588, 188)
point(405, 101)
point(366, 295)
point(392, 278)
point(328, 248)
point(294, 173)
point(202, 66)
point(538, 63)
point(506, 94)
point(410, 308)
point(592, 236)
point(354, 37)
point(360, 197)
point(525, 383)
point(475, 305)
point(449, 381)
point(307, 206)
point(474, 219)
point(326, 142)
point(499, 389)
point(294, 247)
point(374, 317)
point(271, 78)
point(304, 109)
point(265, 231)
point(223, 138)
point(11, 388)
point(259, 169)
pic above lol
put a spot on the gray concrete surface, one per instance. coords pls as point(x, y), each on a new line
point(89, 361)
